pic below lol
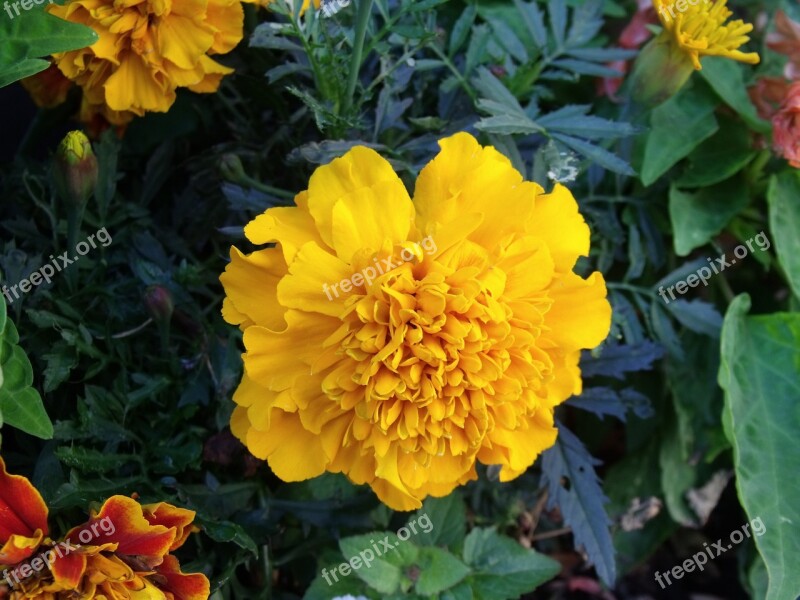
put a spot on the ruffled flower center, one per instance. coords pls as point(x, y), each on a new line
point(431, 355)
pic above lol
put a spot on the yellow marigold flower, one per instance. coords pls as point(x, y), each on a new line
point(401, 341)
point(698, 28)
point(121, 552)
point(147, 49)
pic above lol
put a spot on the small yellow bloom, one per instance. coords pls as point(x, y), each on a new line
point(401, 341)
point(699, 29)
point(147, 49)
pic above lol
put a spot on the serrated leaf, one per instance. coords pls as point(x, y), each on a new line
point(599, 155)
point(582, 505)
point(699, 316)
point(439, 570)
point(534, 21)
point(557, 11)
point(503, 568)
point(616, 360)
point(587, 20)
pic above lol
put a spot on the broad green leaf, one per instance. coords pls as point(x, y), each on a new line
point(720, 157)
point(24, 410)
point(679, 125)
point(35, 34)
point(760, 373)
point(504, 569)
point(784, 221)
point(444, 518)
point(381, 556)
point(22, 69)
point(698, 216)
point(439, 570)
point(726, 78)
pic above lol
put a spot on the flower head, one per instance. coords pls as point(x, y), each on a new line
point(121, 552)
point(401, 341)
point(786, 126)
point(700, 30)
point(147, 49)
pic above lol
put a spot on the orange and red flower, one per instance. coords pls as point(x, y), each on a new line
point(121, 552)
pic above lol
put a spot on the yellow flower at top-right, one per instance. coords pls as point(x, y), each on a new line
point(698, 28)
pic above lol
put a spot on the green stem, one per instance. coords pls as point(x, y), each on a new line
point(266, 188)
point(363, 12)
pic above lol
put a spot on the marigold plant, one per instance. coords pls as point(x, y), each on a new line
point(426, 361)
point(122, 551)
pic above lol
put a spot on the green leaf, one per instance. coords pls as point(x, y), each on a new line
point(22, 69)
point(439, 570)
point(225, 531)
point(33, 35)
point(726, 78)
point(678, 127)
point(697, 217)
point(24, 410)
point(447, 521)
point(784, 222)
point(504, 569)
point(720, 157)
point(381, 567)
point(760, 373)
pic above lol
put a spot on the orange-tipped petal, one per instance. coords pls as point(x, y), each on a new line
point(19, 547)
point(171, 516)
point(122, 520)
point(183, 586)
point(68, 570)
point(22, 509)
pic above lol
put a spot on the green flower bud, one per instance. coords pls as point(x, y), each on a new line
point(660, 71)
point(75, 169)
point(231, 168)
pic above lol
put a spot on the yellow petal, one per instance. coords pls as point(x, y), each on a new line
point(251, 283)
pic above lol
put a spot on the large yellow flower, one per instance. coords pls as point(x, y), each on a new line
point(698, 28)
point(399, 341)
point(147, 49)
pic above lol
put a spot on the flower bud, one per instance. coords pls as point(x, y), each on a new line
point(660, 71)
point(231, 168)
point(75, 169)
point(158, 301)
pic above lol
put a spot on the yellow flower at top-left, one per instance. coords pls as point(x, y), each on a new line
point(147, 49)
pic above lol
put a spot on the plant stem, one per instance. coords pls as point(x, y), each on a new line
point(363, 12)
